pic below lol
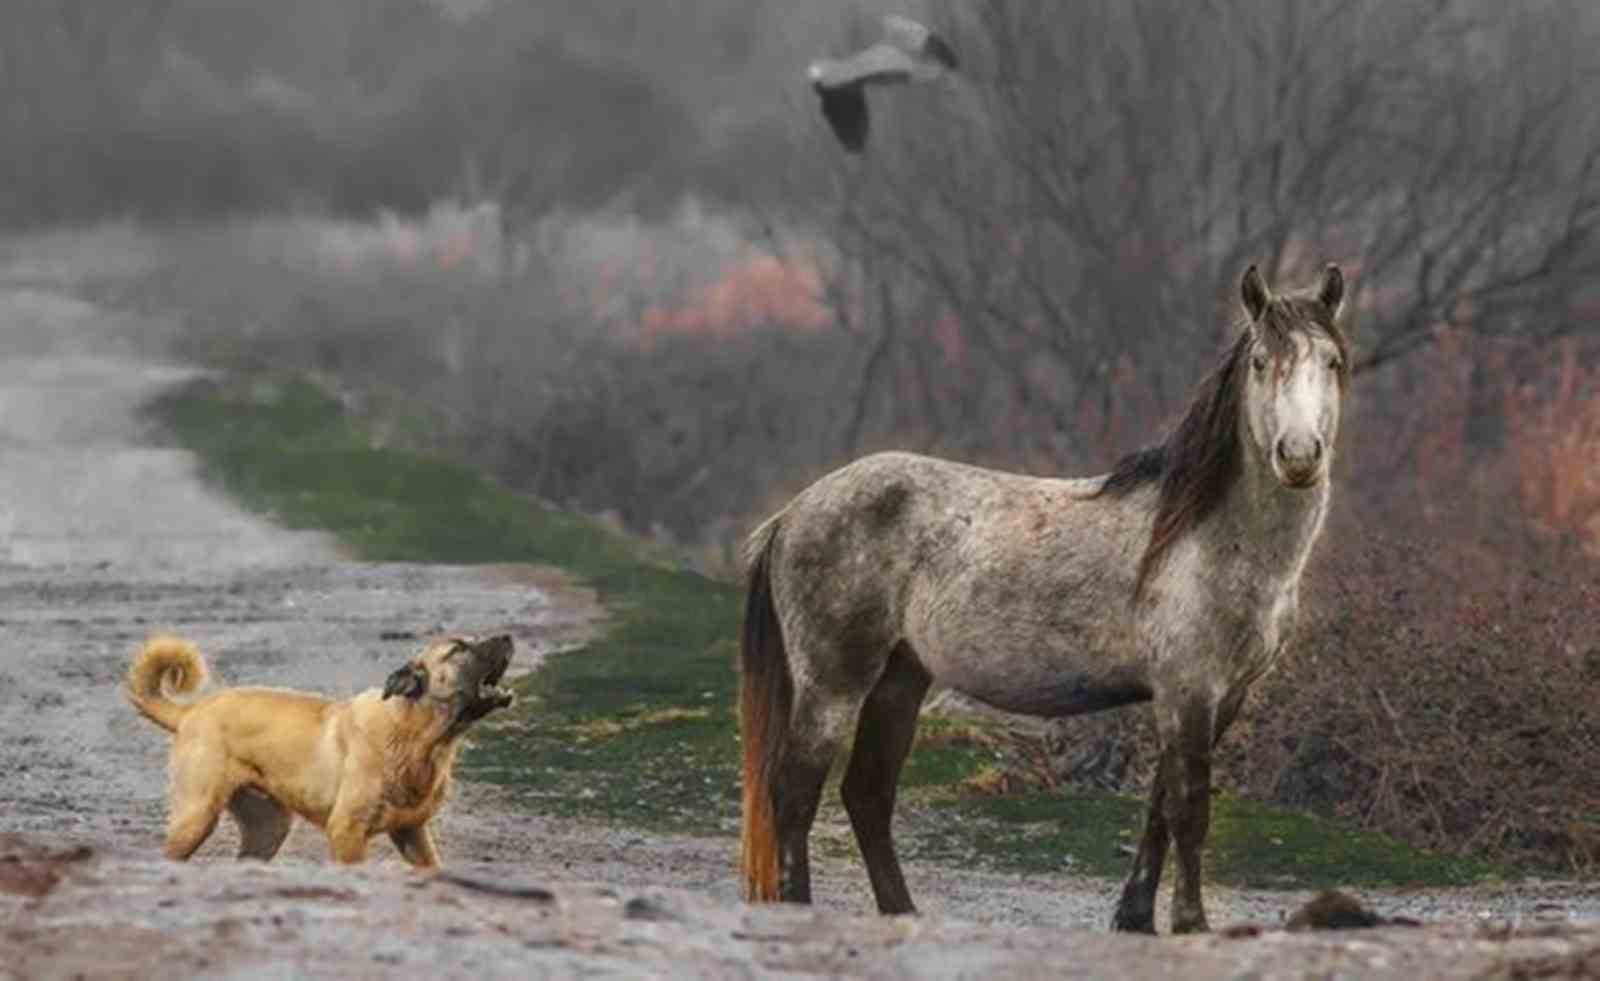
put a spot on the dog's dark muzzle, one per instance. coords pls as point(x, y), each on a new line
point(482, 691)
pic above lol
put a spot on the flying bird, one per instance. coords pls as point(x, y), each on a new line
point(909, 52)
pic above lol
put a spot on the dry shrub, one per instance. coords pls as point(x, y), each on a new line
point(1113, 751)
point(1444, 696)
point(1555, 445)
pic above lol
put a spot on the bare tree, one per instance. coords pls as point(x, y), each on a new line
point(1106, 166)
point(67, 66)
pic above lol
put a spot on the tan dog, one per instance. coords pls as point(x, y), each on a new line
point(379, 762)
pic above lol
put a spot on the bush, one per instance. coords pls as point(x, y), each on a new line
point(1444, 695)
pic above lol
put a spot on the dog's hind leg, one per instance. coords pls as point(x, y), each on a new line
point(263, 823)
point(198, 794)
point(416, 846)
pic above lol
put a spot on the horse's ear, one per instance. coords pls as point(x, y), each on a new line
point(408, 682)
point(1255, 293)
point(1331, 289)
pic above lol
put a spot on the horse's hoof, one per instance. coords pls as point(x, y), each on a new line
point(1130, 923)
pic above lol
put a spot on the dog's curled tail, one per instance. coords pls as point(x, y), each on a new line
point(165, 666)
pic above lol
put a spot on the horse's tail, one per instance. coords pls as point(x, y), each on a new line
point(766, 693)
point(165, 664)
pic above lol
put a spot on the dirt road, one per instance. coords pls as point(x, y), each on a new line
point(106, 536)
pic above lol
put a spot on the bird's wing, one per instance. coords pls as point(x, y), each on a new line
point(845, 108)
point(918, 41)
point(905, 33)
point(879, 64)
point(939, 50)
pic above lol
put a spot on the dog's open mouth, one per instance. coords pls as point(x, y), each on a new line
point(494, 655)
point(491, 692)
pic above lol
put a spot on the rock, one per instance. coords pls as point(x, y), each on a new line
point(1335, 910)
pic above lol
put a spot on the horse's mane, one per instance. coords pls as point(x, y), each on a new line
point(1200, 459)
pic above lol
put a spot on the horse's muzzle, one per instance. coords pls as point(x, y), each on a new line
point(1298, 461)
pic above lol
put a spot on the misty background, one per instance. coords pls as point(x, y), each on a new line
point(610, 252)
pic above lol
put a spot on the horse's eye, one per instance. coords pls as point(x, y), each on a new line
point(1334, 362)
point(1259, 363)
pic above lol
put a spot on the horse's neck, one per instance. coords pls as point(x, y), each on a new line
point(1268, 525)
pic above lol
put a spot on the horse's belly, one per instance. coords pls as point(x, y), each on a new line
point(1046, 633)
point(1060, 696)
point(1040, 675)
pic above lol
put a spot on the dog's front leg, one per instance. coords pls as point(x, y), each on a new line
point(348, 833)
point(416, 846)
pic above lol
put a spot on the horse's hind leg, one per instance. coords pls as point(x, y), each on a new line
point(816, 727)
point(1136, 910)
point(883, 738)
point(263, 823)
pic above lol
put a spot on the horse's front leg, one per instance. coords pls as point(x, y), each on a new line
point(1188, 736)
point(1136, 910)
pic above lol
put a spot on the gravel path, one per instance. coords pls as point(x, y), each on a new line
point(106, 536)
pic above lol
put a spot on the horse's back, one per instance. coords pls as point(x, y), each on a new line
point(847, 548)
point(897, 511)
point(993, 578)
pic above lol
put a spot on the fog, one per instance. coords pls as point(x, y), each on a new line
point(620, 250)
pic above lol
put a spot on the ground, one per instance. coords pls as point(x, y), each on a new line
point(107, 535)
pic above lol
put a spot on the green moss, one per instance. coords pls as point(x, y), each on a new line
point(1251, 844)
point(639, 726)
point(947, 752)
point(1256, 845)
point(1035, 832)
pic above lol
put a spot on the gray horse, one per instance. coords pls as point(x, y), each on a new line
point(1174, 579)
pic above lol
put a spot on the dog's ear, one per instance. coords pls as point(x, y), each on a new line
point(409, 681)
